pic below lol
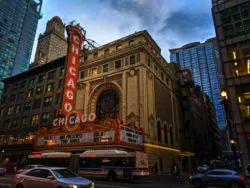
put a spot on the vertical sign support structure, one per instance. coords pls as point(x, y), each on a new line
point(76, 37)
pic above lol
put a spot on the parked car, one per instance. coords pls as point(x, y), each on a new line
point(29, 167)
point(218, 178)
point(202, 168)
point(50, 177)
point(3, 170)
point(248, 174)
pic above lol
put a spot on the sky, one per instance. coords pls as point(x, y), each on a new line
point(171, 23)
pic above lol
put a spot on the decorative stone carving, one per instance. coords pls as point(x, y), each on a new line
point(132, 117)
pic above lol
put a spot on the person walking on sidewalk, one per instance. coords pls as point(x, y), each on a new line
point(155, 167)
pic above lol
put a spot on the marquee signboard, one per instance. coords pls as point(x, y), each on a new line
point(89, 133)
point(130, 135)
point(78, 138)
point(75, 40)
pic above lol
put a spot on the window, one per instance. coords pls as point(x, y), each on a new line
point(39, 90)
point(51, 75)
point(15, 123)
point(34, 173)
point(41, 78)
point(47, 101)
point(58, 98)
point(6, 124)
point(118, 47)
point(10, 110)
point(171, 135)
point(131, 43)
point(45, 117)
point(95, 55)
point(15, 86)
point(106, 51)
point(18, 108)
point(149, 62)
point(166, 134)
point(62, 71)
point(26, 106)
point(159, 131)
point(82, 74)
point(156, 69)
point(31, 82)
point(1, 112)
point(118, 64)
point(60, 83)
point(216, 173)
point(132, 60)
point(29, 93)
point(23, 84)
point(12, 98)
point(24, 120)
point(50, 87)
point(94, 71)
point(162, 76)
point(167, 81)
point(105, 68)
point(34, 120)
point(37, 103)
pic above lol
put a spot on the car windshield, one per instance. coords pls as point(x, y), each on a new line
point(63, 173)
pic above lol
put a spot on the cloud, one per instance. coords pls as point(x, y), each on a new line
point(171, 23)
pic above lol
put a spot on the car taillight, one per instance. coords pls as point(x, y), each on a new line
point(242, 178)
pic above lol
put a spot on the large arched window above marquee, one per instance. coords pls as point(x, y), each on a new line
point(107, 105)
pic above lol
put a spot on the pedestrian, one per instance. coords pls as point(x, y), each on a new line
point(155, 167)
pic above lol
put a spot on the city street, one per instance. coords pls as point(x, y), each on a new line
point(160, 182)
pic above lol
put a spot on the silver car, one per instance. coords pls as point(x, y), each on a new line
point(49, 177)
point(29, 167)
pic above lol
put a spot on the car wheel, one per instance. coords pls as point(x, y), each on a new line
point(197, 183)
point(19, 185)
point(111, 176)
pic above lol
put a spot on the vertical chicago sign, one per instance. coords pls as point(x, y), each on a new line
point(76, 36)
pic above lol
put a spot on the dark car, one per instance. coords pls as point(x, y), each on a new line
point(202, 168)
point(218, 178)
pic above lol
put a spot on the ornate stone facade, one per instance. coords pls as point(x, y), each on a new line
point(133, 68)
point(52, 44)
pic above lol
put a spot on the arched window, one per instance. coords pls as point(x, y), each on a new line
point(166, 133)
point(171, 135)
point(159, 131)
point(107, 105)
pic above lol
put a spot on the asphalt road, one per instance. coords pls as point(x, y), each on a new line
point(5, 182)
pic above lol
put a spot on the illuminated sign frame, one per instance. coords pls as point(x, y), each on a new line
point(75, 40)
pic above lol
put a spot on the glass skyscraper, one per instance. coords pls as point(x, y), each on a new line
point(18, 24)
point(200, 59)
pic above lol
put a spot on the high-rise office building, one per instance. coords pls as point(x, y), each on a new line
point(200, 59)
point(232, 26)
point(18, 24)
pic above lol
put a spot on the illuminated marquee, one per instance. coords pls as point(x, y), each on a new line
point(72, 120)
point(75, 41)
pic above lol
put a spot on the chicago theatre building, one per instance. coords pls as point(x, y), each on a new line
point(119, 96)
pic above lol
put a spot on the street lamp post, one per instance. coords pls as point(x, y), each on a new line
point(226, 103)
